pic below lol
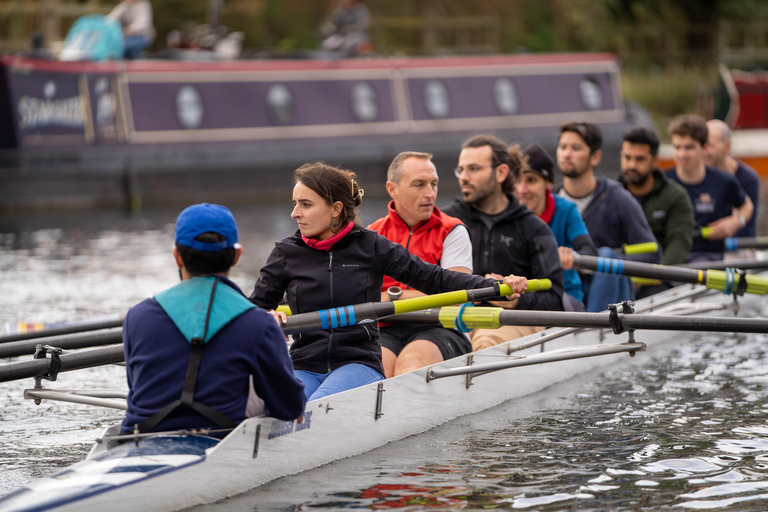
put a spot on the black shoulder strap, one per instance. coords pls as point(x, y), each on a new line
point(190, 382)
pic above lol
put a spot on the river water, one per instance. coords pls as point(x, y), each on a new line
point(686, 429)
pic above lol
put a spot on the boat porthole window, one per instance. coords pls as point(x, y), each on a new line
point(364, 102)
point(280, 104)
point(591, 94)
point(436, 99)
point(505, 95)
point(189, 107)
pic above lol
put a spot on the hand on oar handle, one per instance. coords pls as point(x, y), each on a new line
point(722, 228)
point(518, 284)
point(566, 257)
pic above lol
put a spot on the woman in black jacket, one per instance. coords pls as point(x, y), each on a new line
point(332, 261)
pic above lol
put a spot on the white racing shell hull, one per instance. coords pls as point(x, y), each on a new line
point(343, 425)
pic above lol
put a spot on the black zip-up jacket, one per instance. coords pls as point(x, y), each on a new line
point(518, 242)
point(352, 272)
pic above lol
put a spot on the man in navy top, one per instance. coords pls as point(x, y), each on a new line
point(719, 201)
point(612, 216)
point(717, 153)
point(195, 352)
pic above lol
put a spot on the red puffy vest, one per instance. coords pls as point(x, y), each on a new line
point(425, 240)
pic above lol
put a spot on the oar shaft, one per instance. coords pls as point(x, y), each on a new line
point(74, 361)
point(492, 318)
point(721, 265)
point(66, 341)
point(88, 325)
point(758, 242)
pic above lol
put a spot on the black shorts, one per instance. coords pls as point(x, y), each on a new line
point(451, 343)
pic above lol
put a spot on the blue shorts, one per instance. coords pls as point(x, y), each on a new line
point(349, 376)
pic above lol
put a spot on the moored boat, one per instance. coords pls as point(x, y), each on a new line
point(139, 473)
point(91, 134)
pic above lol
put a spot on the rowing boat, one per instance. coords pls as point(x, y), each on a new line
point(139, 473)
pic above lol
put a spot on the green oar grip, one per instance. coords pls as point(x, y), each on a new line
point(534, 285)
point(705, 231)
point(644, 248)
point(645, 281)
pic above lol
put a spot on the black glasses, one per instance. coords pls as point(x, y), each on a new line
point(471, 169)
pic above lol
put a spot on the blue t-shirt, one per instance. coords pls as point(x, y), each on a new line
point(713, 198)
point(566, 225)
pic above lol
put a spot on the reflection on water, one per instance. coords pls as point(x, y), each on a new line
point(687, 430)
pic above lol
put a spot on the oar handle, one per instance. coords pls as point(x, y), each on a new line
point(644, 248)
point(704, 232)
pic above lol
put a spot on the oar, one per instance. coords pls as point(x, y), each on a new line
point(73, 361)
point(65, 341)
point(757, 242)
point(644, 248)
point(735, 243)
point(337, 317)
point(70, 327)
point(493, 318)
point(372, 311)
point(727, 281)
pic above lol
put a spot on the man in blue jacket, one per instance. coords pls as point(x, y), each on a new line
point(194, 352)
point(613, 217)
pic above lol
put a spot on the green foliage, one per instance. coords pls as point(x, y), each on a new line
point(666, 93)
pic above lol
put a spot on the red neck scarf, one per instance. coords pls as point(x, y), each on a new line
point(325, 245)
point(549, 209)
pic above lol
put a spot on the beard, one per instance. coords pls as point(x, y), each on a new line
point(636, 178)
point(480, 192)
point(574, 172)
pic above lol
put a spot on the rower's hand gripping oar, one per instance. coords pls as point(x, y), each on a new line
point(728, 280)
point(372, 311)
point(733, 244)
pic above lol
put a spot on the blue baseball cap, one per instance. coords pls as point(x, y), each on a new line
point(204, 218)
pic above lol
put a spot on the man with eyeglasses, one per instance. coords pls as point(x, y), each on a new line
point(613, 217)
point(507, 238)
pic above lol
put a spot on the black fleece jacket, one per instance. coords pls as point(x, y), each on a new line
point(350, 273)
point(518, 242)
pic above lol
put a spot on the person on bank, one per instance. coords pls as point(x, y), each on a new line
point(414, 222)
point(135, 16)
point(717, 153)
point(665, 203)
point(719, 201)
point(347, 29)
point(507, 238)
point(331, 261)
point(612, 216)
point(195, 352)
point(534, 189)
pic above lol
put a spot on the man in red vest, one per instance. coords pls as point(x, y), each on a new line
point(418, 225)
